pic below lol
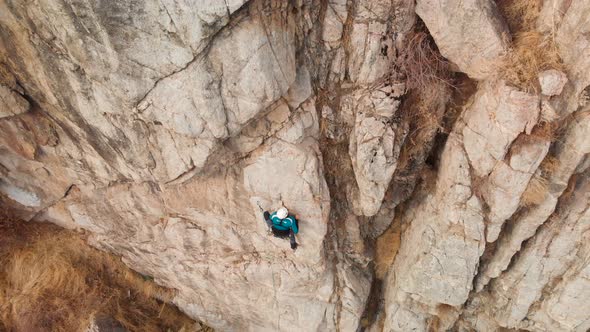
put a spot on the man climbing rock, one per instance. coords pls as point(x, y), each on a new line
point(283, 225)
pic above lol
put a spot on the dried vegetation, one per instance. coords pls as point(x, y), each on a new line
point(536, 192)
point(422, 64)
point(531, 52)
point(387, 246)
point(429, 85)
point(51, 280)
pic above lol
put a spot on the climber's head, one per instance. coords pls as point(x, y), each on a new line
point(282, 213)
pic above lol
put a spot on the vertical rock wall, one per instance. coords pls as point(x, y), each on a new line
point(163, 128)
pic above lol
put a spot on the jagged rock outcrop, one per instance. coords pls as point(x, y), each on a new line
point(440, 249)
point(469, 33)
point(374, 148)
point(164, 129)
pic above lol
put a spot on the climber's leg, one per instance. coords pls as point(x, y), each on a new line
point(280, 233)
point(292, 240)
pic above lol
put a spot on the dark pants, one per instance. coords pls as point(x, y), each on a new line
point(280, 233)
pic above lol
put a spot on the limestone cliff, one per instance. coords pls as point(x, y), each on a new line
point(434, 151)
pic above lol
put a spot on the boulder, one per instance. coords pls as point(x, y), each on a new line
point(477, 23)
point(552, 82)
point(497, 115)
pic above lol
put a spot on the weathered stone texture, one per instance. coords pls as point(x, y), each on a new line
point(469, 33)
point(165, 128)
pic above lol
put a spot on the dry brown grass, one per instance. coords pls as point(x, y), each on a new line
point(531, 52)
point(550, 165)
point(424, 68)
point(429, 83)
point(536, 192)
point(387, 246)
point(51, 280)
point(520, 15)
point(545, 131)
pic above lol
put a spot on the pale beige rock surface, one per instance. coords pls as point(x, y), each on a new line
point(497, 116)
point(11, 103)
point(374, 148)
point(552, 82)
point(440, 249)
point(164, 128)
point(469, 33)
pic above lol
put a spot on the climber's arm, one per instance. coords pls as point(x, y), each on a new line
point(294, 225)
point(268, 219)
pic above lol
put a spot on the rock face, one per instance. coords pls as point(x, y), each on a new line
point(373, 149)
point(165, 128)
point(469, 33)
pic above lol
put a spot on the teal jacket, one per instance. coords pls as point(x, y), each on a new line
point(284, 224)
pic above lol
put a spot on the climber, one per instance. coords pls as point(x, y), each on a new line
point(283, 225)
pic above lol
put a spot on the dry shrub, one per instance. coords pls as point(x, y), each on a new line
point(545, 131)
point(424, 68)
point(536, 191)
point(51, 280)
point(424, 109)
point(550, 165)
point(531, 52)
point(520, 15)
point(427, 73)
point(423, 112)
point(429, 84)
